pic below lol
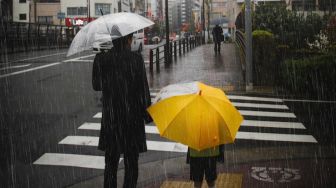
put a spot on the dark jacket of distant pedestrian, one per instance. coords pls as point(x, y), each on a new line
point(217, 34)
point(121, 76)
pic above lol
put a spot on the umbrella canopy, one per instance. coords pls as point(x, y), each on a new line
point(219, 21)
point(196, 115)
point(107, 28)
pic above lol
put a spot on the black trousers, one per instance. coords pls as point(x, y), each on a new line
point(217, 46)
point(200, 166)
point(111, 168)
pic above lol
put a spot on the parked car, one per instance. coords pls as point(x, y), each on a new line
point(137, 43)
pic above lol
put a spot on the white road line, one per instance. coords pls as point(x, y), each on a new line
point(80, 140)
point(256, 105)
point(74, 160)
point(151, 128)
point(28, 70)
point(15, 67)
point(273, 124)
point(275, 137)
point(98, 115)
point(267, 114)
point(90, 126)
point(80, 60)
point(246, 113)
point(151, 145)
point(254, 98)
point(36, 57)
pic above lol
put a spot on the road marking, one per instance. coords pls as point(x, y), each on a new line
point(266, 114)
point(83, 161)
point(36, 57)
point(81, 60)
point(28, 70)
point(254, 98)
point(273, 124)
point(151, 128)
point(315, 101)
point(78, 58)
point(246, 113)
point(15, 67)
point(257, 105)
point(151, 145)
point(275, 137)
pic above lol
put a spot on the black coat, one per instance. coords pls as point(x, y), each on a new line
point(217, 33)
point(121, 76)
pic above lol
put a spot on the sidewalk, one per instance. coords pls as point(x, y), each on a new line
point(243, 166)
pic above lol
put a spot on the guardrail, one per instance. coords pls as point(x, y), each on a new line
point(240, 42)
point(18, 36)
point(181, 46)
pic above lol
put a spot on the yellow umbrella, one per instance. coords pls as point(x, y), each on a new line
point(195, 114)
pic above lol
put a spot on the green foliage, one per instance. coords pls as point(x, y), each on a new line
point(313, 77)
point(264, 51)
point(288, 27)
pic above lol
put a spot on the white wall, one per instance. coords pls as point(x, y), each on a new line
point(20, 8)
point(83, 3)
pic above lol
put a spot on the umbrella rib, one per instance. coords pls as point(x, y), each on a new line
point(219, 113)
point(177, 112)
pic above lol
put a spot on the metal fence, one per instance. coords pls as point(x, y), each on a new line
point(178, 47)
point(240, 42)
point(17, 36)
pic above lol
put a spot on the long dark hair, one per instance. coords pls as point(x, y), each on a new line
point(121, 43)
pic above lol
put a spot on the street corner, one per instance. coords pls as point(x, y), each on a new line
point(285, 173)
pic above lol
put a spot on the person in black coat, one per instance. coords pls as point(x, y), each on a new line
point(217, 33)
point(121, 76)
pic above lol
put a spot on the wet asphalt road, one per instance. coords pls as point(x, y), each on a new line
point(40, 108)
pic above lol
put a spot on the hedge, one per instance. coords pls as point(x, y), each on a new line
point(313, 77)
point(264, 52)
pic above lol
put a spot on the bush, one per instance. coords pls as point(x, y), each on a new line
point(313, 77)
point(264, 52)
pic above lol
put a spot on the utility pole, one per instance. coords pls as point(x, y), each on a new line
point(203, 22)
point(88, 11)
point(167, 55)
point(35, 21)
point(119, 5)
point(248, 50)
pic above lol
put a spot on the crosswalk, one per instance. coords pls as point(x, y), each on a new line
point(260, 115)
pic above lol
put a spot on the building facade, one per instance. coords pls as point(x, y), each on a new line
point(21, 10)
point(77, 13)
point(46, 12)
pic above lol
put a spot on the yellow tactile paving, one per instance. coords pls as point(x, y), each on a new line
point(224, 180)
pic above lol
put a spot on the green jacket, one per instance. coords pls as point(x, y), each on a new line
point(210, 152)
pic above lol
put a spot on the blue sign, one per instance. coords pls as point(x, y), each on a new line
point(61, 15)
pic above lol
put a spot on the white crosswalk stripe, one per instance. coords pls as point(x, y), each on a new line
point(259, 108)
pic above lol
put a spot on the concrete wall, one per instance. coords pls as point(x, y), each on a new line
point(20, 8)
point(46, 9)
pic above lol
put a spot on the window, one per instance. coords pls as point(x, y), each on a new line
point(74, 11)
point(22, 1)
point(45, 19)
point(104, 7)
point(22, 16)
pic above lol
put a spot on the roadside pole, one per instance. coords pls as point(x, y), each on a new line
point(248, 38)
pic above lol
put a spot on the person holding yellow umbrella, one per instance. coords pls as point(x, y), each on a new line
point(199, 116)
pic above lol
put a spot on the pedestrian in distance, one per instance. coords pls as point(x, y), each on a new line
point(204, 163)
point(217, 33)
point(121, 76)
